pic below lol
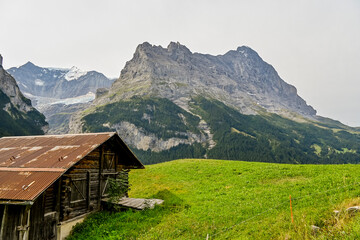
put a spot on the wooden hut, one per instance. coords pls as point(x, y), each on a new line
point(49, 183)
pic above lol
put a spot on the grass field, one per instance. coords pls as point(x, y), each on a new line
point(235, 200)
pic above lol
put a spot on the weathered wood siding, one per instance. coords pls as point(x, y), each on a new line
point(44, 216)
point(85, 184)
point(13, 216)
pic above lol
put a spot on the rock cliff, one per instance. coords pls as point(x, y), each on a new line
point(18, 117)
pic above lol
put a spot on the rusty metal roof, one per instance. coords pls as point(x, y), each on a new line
point(55, 151)
point(30, 164)
point(25, 185)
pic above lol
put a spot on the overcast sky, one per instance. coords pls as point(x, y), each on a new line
point(313, 44)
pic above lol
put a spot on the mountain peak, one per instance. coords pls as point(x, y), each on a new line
point(243, 51)
point(176, 47)
point(143, 47)
point(74, 73)
point(28, 64)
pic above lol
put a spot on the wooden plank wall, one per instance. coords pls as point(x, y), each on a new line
point(12, 217)
point(98, 161)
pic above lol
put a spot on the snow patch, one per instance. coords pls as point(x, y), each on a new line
point(28, 95)
point(74, 73)
point(39, 82)
point(58, 69)
point(80, 99)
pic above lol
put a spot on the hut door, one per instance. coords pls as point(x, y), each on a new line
point(23, 228)
point(104, 184)
point(108, 170)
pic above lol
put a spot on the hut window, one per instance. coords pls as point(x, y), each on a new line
point(78, 190)
point(109, 161)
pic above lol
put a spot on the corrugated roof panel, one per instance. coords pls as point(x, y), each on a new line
point(25, 185)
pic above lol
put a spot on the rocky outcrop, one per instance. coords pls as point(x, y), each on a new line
point(140, 139)
point(16, 99)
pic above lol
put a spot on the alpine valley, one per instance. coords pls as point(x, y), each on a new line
point(58, 92)
point(170, 103)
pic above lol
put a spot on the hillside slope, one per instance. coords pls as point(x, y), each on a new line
point(235, 200)
point(264, 137)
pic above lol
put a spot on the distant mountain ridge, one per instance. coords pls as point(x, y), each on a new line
point(17, 115)
point(56, 82)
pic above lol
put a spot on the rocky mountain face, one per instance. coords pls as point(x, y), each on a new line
point(239, 78)
point(171, 103)
point(18, 117)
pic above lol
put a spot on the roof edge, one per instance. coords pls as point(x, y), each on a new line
point(62, 135)
point(15, 202)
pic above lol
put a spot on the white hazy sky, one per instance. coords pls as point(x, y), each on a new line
point(313, 44)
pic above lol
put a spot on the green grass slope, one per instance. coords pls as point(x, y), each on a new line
point(235, 200)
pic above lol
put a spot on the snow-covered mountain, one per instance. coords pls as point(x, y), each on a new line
point(57, 83)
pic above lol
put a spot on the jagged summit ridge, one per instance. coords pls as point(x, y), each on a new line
point(239, 78)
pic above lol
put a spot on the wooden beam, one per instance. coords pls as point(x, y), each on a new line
point(3, 222)
point(88, 189)
point(101, 158)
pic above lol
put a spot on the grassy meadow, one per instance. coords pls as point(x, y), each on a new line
point(219, 199)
